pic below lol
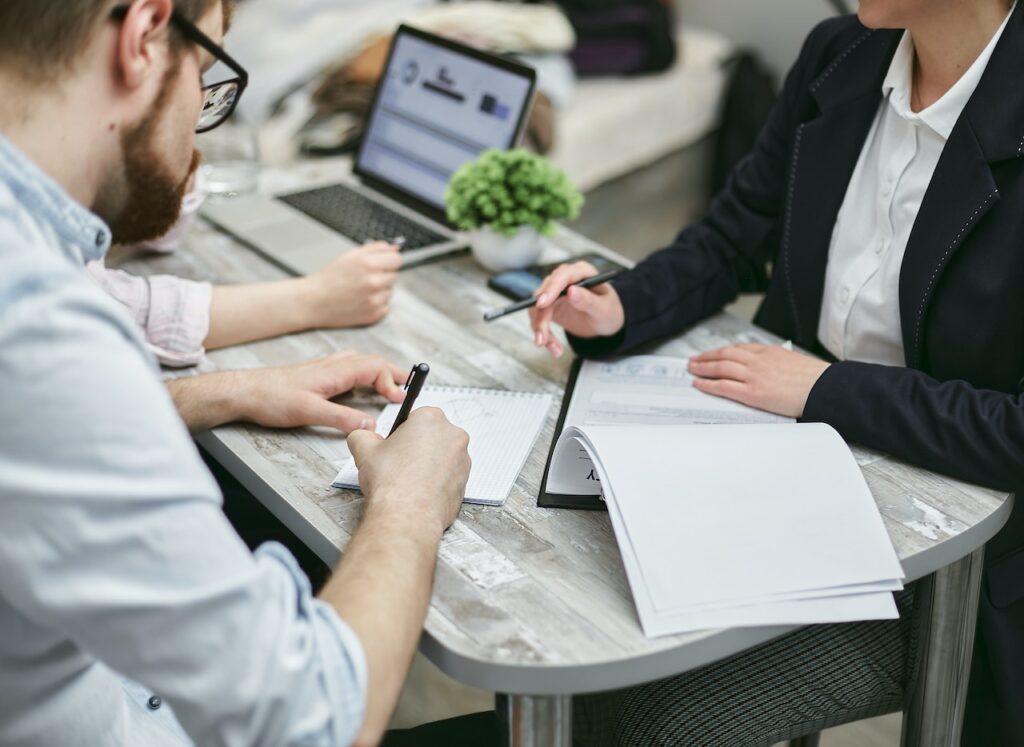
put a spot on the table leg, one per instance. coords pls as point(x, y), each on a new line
point(536, 720)
point(949, 599)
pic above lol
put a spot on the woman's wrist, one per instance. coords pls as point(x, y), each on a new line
point(309, 302)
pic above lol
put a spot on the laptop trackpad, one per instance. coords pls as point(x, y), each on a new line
point(295, 233)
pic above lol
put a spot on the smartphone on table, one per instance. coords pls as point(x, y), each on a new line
point(522, 284)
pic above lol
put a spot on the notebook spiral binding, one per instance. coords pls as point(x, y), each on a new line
point(487, 392)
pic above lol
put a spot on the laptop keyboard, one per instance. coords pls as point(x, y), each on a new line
point(359, 218)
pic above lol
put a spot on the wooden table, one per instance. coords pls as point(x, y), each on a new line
point(532, 603)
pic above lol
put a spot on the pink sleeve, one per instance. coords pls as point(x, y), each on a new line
point(173, 313)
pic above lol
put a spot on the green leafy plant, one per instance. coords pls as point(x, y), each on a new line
point(506, 189)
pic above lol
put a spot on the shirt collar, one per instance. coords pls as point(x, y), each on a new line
point(49, 202)
point(944, 113)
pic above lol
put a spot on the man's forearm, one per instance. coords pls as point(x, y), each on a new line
point(243, 313)
point(382, 590)
point(209, 400)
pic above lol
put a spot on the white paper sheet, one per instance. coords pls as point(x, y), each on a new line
point(502, 427)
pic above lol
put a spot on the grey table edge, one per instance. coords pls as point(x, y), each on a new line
point(597, 676)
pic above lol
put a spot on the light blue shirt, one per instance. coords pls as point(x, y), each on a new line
point(115, 557)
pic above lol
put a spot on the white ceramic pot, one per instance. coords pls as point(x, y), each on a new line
point(498, 253)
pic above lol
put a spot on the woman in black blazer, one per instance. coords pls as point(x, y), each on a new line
point(956, 405)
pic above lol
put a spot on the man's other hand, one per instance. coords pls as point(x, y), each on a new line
point(300, 395)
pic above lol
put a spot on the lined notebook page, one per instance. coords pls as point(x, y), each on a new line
point(502, 427)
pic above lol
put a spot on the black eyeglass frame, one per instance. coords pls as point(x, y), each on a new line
point(191, 32)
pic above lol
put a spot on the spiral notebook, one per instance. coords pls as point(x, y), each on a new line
point(503, 427)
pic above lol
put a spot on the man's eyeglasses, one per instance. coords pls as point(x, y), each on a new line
point(219, 99)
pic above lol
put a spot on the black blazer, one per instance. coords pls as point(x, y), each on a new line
point(957, 407)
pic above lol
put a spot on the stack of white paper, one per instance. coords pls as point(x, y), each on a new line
point(732, 525)
point(725, 515)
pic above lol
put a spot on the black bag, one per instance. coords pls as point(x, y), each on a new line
point(749, 97)
point(621, 37)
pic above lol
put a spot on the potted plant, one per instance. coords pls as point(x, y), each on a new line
point(506, 200)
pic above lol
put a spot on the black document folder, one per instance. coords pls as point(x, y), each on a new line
point(562, 500)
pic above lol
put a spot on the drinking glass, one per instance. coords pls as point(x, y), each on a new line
point(231, 158)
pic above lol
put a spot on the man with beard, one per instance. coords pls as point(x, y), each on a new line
point(124, 593)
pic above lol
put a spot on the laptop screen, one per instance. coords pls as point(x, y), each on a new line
point(437, 108)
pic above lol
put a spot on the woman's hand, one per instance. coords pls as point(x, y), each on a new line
point(355, 289)
point(768, 377)
point(594, 312)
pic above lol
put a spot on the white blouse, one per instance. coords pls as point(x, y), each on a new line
point(860, 313)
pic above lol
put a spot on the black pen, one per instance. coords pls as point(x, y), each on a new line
point(527, 303)
point(412, 390)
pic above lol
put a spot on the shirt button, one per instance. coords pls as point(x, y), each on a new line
point(101, 238)
point(887, 188)
point(154, 702)
point(844, 294)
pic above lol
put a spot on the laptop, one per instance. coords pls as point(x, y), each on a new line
point(438, 105)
